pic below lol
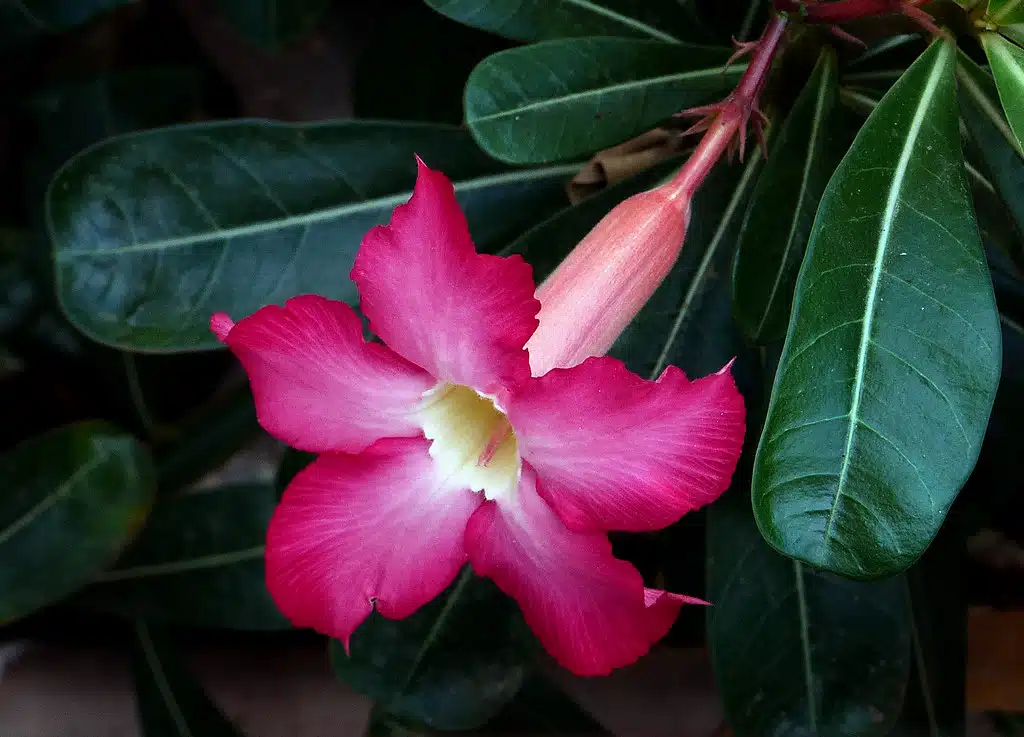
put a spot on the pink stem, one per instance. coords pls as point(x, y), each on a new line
point(732, 114)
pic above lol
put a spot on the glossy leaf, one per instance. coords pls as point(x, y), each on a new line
point(199, 562)
point(1007, 62)
point(892, 358)
point(796, 651)
point(561, 99)
point(782, 209)
point(1005, 12)
point(452, 665)
point(169, 700)
point(992, 141)
point(23, 21)
point(538, 20)
point(154, 232)
point(70, 502)
point(273, 23)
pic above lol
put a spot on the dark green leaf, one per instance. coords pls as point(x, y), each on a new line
point(23, 21)
point(154, 232)
point(1007, 62)
point(993, 145)
point(1005, 12)
point(892, 358)
point(199, 561)
point(734, 19)
point(207, 441)
point(799, 652)
point(452, 665)
point(387, 87)
point(169, 700)
point(273, 23)
point(71, 116)
point(539, 708)
point(937, 609)
point(782, 209)
point(556, 100)
point(889, 53)
point(538, 20)
point(71, 500)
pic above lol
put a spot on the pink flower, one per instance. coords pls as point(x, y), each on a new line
point(440, 448)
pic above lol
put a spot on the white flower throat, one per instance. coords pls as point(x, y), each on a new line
point(473, 444)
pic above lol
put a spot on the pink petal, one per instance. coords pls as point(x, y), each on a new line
point(353, 529)
point(462, 316)
point(588, 609)
point(613, 451)
point(318, 386)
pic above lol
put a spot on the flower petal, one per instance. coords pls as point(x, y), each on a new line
point(352, 530)
point(589, 609)
point(613, 451)
point(317, 384)
point(460, 315)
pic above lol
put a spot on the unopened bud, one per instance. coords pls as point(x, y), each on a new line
point(601, 286)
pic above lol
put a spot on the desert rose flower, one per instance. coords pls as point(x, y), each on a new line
point(440, 446)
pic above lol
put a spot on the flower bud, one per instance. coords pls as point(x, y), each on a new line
point(600, 287)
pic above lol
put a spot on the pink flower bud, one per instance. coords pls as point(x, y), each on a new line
point(600, 287)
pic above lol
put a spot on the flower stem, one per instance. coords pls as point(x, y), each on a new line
point(842, 11)
point(728, 119)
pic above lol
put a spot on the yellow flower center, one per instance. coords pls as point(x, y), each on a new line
point(473, 443)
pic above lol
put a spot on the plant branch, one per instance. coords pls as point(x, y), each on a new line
point(726, 122)
point(843, 11)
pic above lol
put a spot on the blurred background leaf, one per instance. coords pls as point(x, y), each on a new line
point(198, 562)
point(169, 700)
point(72, 500)
point(453, 664)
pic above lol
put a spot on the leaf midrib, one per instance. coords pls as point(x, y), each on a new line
point(241, 231)
point(182, 566)
point(734, 70)
point(888, 216)
point(623, 19)
point(157, 669)
point(62, 491)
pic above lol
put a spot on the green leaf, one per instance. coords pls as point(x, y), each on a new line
point(892, 358)
point(452, 665)
point(560, 99)
point(1007, 62)
point(24, 21)
point(71, 116)
point(274, 23)
point(156, 231)
point(207, 441)
point(1015, 32)
point(539, 20)
point(199, 562)
point(993, 145)
point(169, 700)
point(386, 86)
point(782, 209)
point(540, 707)
point(1005, 12)
point(796, 651)
point(71, 501)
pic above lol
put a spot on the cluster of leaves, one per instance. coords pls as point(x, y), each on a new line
point(851, 272)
